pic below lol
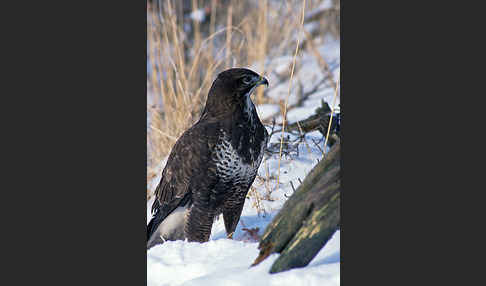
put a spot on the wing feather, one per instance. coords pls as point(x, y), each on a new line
point(189, 164)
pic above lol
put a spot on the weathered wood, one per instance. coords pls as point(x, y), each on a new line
point(318, 121)
point(308, 218)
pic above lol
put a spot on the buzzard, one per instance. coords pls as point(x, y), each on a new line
point(212, 165)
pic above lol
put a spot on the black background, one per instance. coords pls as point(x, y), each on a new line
point(74, 143)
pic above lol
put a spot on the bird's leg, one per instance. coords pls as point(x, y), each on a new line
point(198, 225)
point(231, 216)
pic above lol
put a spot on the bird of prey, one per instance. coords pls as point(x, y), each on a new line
point(212, 165)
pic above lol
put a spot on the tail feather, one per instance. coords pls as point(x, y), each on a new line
point(154, 224)
point(159, 215)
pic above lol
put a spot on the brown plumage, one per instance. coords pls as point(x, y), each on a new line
point(212, 165)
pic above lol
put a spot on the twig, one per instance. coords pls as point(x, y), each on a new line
point(303, 136)
point(319, 147)
point(292, 184)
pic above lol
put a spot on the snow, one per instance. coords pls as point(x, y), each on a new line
point(308, 72)
point(266, 110)
point(227, 262)
point(198, 15)
point(222, 261)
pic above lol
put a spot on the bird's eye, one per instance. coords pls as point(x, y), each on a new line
point(246, 79)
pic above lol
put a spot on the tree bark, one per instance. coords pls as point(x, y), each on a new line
point(308, 218)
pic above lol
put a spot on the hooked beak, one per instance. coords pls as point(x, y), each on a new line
point(261, 81)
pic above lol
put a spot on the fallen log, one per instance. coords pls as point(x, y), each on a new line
point(308, 218)
point(318, 121)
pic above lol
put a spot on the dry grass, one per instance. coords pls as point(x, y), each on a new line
point(284, 110)
point(333, 107)
point(184, 61)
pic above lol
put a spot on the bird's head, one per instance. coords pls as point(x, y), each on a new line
point(231, 88)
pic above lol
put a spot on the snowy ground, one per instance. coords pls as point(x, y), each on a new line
point(226, 262)
point(223, 261)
